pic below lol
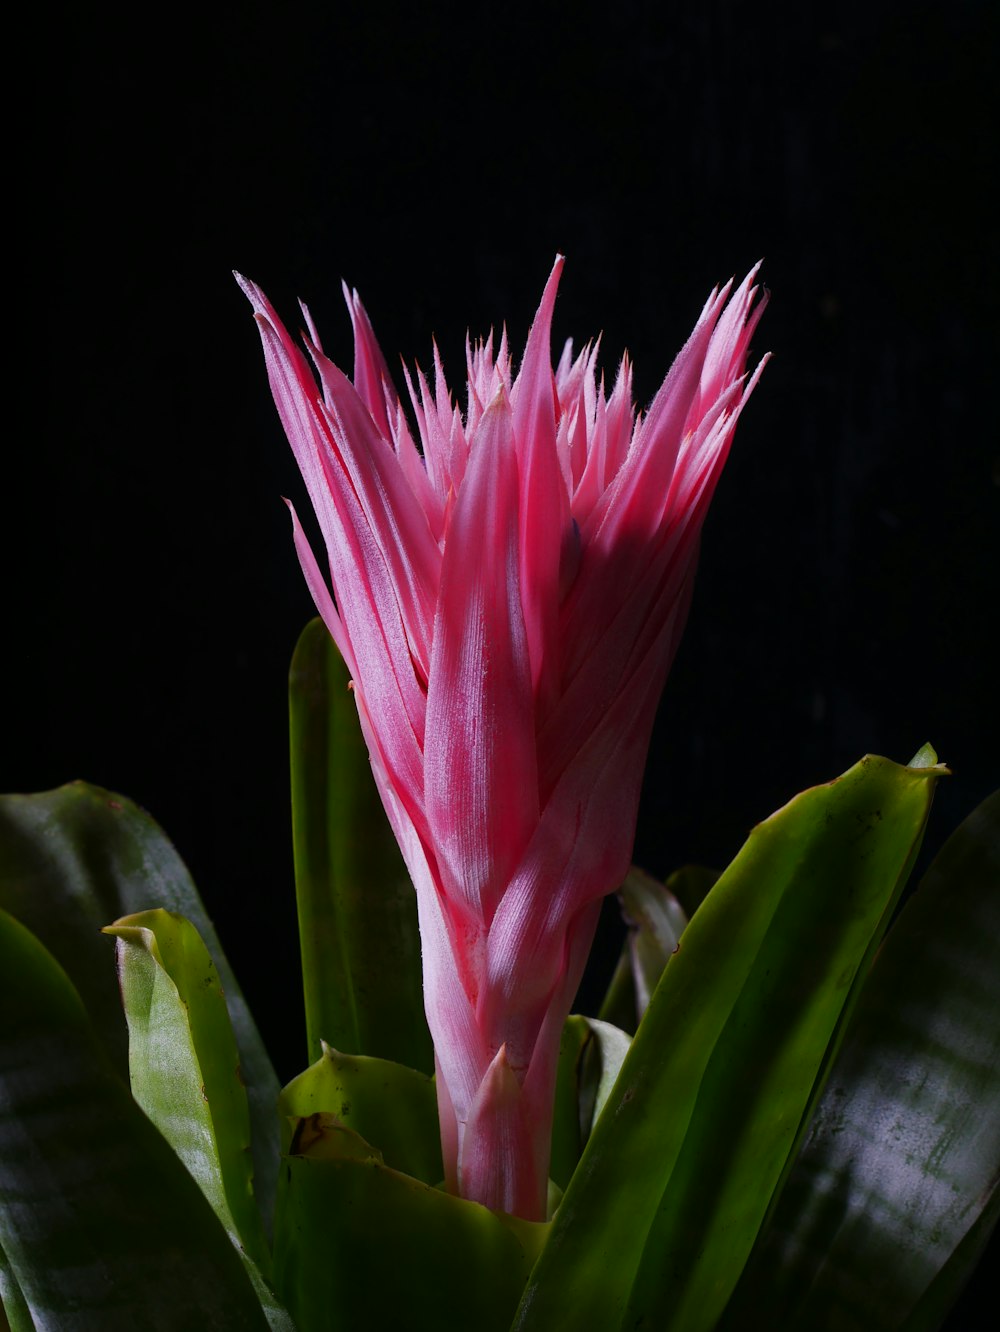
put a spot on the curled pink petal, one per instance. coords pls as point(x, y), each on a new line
point(509, 600)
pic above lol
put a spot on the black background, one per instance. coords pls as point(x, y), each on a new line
point(438, 159)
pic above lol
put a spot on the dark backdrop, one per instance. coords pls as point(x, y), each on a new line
point(846, 601)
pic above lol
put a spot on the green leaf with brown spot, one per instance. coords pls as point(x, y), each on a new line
point(392, 1107)
point(363, 1246)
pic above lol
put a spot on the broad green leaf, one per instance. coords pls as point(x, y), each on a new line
point(903, 1156)
point(101, 1224)
point(658, 1219)
point(392, 1107)
point(185, 1071)
point(357, 908)
point(362, 1246)
point(73, 859)
point(935, 1304)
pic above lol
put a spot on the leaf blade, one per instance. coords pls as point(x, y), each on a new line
point(364, 1246)
point(903, 1157)
point(76, 857)
point(394, 1108)
point(357, 908)
point(185, 1075)
point(100, 1221)
point(679, 1170)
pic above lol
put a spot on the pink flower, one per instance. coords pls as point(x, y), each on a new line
point(508, 599)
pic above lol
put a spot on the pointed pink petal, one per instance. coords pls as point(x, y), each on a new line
point(459, 1052)
point(731, 339)
point(371, 374)
point(394, 516)
point(365, 595)
point(458, 1042)
point(413, 469)
point(497, 1161)
point(621, 420)
point(633, 498)
point(434, 438)
point(580, 851)
point(479, 755)
point(544, 499)
point(539, 1084)
point(606, 671)
point(320, 592)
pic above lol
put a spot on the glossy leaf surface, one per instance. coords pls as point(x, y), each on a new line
point(392, 1107)
point(362, 1246)
point(674, 1183)
point(937, 1301)
point(903, 1156)
point(101, 1224)
point(185, 1073)
point(75, 858)
point(357, 908)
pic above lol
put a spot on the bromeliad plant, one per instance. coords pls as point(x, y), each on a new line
point(785, 1114)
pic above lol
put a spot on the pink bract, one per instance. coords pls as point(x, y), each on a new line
point(508, 592)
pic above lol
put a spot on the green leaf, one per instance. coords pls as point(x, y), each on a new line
point(903, 1157)
point(73, 859)
point(567, 1133)
point(357, 908)
point(392, 1107)
point(362, 1246)
point(602, 1062)
point(656, 921)
point(690, 885)
point(101, 1224)
point(185, 1073)
point(618, 1005)
point(12, 1302)
point(591, 1053)
point(936, 1302)
point(679, 1171)
point(656, 915)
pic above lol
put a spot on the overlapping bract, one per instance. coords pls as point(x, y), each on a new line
point(508, 597)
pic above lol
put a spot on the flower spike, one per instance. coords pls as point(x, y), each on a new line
point(508, 600)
